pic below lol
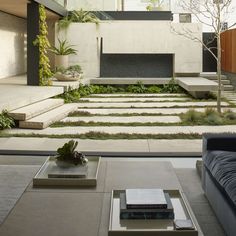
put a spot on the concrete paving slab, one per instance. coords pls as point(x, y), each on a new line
point(135, 99)
point(86, 145)
point(175, 146)
point(124, 119)
point(148, 105)
point(40, 214)
point(155, 130)
point(140, 95)
point(164, 111)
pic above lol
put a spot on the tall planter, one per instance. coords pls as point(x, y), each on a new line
point(62, 61)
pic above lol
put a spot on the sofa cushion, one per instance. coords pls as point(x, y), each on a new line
point(222, 166)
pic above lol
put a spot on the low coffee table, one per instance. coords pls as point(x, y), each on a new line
point(85, 211)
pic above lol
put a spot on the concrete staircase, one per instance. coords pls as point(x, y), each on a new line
point(224, 80)
point(41, 114)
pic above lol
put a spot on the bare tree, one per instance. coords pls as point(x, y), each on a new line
point(212, 13)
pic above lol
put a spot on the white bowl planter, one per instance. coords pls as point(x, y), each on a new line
point(62, 61)
point(67, 77)
point(65, 164)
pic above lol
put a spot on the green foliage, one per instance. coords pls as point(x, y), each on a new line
point(138, 88)
point(154, 89)
point(172, 87)
point(214, 119)
point(43, 43)
point(229, 115)
point(209, 117)
point(191, 116)
point(86, 90)
point(6, 122)
point(154, 4)
point(63, 49)
point(67, 153)
point(79, 16)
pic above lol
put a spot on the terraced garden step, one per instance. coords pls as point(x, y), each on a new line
point(164, 111)
point(125, 119)
point(148, 105)
point(35, 109)
point(151, 130)
point(140, 95)
point(46, 119)
point(135, 99)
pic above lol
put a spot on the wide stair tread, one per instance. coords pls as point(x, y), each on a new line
point(44, 120)
point(35, 109)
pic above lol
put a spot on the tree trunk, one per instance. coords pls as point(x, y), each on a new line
point(219, 73)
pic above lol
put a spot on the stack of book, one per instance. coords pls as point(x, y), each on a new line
point(145, 204)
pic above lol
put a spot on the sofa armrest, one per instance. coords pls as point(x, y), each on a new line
point(220, 142)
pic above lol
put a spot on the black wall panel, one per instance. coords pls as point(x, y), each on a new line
point(136, 65)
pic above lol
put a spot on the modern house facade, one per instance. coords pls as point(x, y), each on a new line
point(126, 33)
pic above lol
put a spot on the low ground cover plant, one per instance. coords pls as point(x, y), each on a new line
point(139, 88)
point(6, 122)
point(209, 117)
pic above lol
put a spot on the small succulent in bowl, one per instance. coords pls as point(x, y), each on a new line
point(68, 156)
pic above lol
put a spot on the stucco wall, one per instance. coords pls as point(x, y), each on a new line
point(154, 37)
point(12, 45)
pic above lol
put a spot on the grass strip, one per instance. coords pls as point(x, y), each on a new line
point(87, 114)
point(153, 101)
point(164, 107)
point(202, 122)
point(105, 136)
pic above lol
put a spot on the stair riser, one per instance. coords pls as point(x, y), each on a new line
point(45, 124)
point(26, 116)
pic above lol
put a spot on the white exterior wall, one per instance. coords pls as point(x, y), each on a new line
point(129, 37)
point(92, 5)
point(12, 45)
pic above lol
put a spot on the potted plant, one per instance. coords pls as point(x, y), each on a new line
point(72, 73)
point(62, 53)
point(67, 156)
point(155, 5)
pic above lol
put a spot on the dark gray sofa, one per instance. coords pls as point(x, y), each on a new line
point(219, 177)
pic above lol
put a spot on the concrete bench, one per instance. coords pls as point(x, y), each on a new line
point(198, 87)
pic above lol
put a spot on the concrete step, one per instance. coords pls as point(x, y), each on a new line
point(148, 105)
point(135, 99)
point(44, 120)
point(228, 88)
point(212, 76)
point(35, 109)
point(223, 82)
point(128, 81)
point(124, 119)
point(140, 95)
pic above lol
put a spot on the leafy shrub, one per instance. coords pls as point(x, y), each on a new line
point(172, 87)
point(138, 88)
point(210, 111)
point(191, 116)
point(229, 115)
point(154, 89)
point(6, 122)
point(214, 119)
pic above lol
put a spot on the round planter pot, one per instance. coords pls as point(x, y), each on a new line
point(62, 77)
point(62, 61)
point(64, 164)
